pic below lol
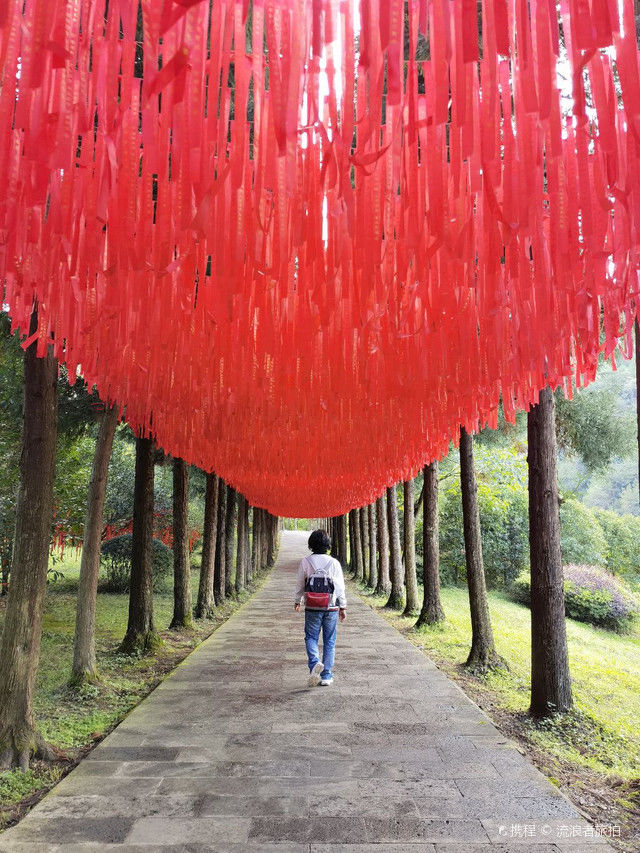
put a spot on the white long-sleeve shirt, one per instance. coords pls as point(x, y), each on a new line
point(333, 570)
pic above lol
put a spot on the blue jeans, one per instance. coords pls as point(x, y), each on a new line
point(314, 621)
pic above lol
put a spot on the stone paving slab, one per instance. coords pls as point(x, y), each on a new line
point(233, 753)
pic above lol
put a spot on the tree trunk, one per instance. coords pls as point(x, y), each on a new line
point(255, 541)
point(240, 556)
point(264, 538)
point(342, 535)
point(352, 543)
point(249, 555)
point(432, 611)
point(411, 582)
point(372, 580)
point(246, 539)
point(181, 562)
point(364, 541)
point(483, 655)
point(141, 636)
point(229, 540)
point(20, 646)
point(396, 596)
point(334, 524)
point(354, 548)
point(84, 643)
point(206, 599)
point(357, 532)
point(272, 538)
point(550, 682)
point(219, 565)
point(383, 585)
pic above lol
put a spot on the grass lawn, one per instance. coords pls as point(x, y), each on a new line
point(593, 752)
point(75, 719)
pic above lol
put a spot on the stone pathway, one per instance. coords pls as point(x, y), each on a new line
point(234, 753)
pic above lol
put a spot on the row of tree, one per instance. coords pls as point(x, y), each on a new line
point(368, 539)
point(237, 542)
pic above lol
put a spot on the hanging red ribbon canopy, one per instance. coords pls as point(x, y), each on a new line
point(302, 241)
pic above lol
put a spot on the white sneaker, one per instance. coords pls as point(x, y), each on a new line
point(325, 682)
point(314, 678)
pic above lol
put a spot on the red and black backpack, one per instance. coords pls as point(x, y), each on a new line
point(319, 588)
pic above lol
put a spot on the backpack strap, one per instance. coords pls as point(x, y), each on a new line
point(314, 569)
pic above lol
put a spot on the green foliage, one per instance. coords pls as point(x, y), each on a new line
point(591, 595)
point(622, 535)
point(501, 476)
point(74, 456)
point(118, 504)
point(596, 426)
point(122, 470)
point(591, 426)
point(582, 538)
point(116, 558)
point(11, 380)
point(520, 589)
point(15, 785)
point(74, 460)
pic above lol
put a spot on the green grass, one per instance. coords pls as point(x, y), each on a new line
point(605, 674)
point(594, 750)
point(72, 718)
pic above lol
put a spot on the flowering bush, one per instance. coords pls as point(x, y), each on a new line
point(591, 595)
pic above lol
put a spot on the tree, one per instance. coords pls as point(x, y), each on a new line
point(141, 635)
point(182, 617)
point(256, 547)
point(84, 645)
point(220, 558)
point(483, 655)
point(342, 539)
point(20, 644)
point(432, 611)
point(243, 521)
point(249, 557)
point(550, 681)
point(264, 539)
point(409, 526)
point(372, 579)
point(589, 425)
point(364, 541)
point(356, 544)
point(205, 603)
point(229, 540)
point(383, 585)
point(246, 539)
point(396, 596)
point(272, 537)
point(353, 559)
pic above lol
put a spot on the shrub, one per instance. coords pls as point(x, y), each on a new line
point(591, 594)
point(521, 589)
point(622, 535)
point(116, 558)
point(583, 541)
point(594, 595)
